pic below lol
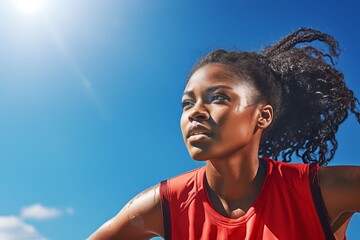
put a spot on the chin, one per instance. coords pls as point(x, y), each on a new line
point(198, 155)
point(199, 158)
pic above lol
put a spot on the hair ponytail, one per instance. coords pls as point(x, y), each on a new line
point(315, 98)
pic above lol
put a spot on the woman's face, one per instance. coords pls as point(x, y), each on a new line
point(219, 113)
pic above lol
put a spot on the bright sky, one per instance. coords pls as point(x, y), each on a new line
point(90, 98)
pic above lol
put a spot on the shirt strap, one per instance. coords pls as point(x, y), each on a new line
point(165, 208)
point(319, 201)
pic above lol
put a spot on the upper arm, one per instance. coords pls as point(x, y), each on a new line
point(141, 218)
point(340, 188)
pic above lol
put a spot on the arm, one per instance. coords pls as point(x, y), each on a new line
point(340, 188)
point(140, 219)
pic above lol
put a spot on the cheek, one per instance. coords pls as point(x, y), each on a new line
point(235, 125)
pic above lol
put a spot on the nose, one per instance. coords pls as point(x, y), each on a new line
point(199, 113)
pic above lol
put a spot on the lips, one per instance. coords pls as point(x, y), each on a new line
point(198, 131)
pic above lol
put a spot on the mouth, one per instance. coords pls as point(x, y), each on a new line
point(198, 133)
point(196, 137)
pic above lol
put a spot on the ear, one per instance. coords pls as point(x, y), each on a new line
point(265, 116)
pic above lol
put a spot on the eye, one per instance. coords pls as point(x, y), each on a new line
point(186, 104)
point(219, 97)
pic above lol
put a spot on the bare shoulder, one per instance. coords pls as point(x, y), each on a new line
point(340, 187)
point(140, 218)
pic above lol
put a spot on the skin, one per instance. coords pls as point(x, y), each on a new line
point(222, 123)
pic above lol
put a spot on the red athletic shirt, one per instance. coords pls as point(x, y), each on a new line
point(289, 206)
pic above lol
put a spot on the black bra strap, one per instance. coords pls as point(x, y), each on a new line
point(319, 202)
point(165, 210)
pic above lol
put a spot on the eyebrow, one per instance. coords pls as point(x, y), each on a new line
point(210, 89)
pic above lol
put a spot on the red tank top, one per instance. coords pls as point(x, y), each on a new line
point(289, 206)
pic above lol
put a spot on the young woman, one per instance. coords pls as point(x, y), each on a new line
point(239, 110)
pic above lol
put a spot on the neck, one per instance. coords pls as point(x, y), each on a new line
point(222, 176)
point(234, 182)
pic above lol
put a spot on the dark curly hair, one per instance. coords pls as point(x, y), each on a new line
point(308, 94)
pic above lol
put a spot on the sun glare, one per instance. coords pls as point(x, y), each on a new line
point(30, 7)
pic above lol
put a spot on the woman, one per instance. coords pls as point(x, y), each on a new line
point(239, 110)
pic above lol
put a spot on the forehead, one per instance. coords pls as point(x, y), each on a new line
point(214, 74)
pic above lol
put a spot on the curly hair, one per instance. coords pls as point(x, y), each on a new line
point(308, 94)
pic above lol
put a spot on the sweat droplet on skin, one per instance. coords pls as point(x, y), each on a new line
point(136, 220)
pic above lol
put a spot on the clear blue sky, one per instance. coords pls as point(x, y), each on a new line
point(90, 97)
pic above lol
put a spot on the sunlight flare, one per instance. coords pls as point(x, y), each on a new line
point(30, 7)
